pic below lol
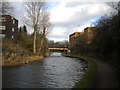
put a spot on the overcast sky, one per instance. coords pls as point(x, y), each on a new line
point(68, 17)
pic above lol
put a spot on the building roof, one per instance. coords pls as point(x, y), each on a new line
point(89, 28)
point(8, 16)
point(76, 34)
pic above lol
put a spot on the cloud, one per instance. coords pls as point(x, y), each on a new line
point(58, 32)
point(66, 17)
point(62, 15)
point(62, 33)
point(19, 11)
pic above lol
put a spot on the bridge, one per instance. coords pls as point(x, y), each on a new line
point(58, 49)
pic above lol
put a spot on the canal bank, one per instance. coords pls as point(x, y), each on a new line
point(106, 76)
point(15, 54)
point(89, 77)
point(22, 61)
point(99, 74)
point(26, 60)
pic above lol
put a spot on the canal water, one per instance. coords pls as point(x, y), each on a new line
point(55, 71)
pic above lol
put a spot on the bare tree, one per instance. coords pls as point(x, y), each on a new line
point(46, 27)
point(33, 18)
point(6, 8)
point(116, 5)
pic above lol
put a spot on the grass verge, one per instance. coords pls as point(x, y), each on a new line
point(88, 79)
point(22, 61)
point(25, 60)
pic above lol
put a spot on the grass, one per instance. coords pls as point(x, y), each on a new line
point(25, 60)
point(13, 54)
point(88, 79)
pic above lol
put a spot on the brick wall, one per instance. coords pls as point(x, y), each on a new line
point(9, 26)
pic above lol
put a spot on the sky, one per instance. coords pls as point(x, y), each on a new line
point(68, 17)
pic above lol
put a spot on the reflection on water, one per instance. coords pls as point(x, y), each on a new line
point(52, 72)
point(55, 54)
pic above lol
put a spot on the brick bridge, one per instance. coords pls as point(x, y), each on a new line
point(58, 49)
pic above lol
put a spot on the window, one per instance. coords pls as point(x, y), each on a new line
point(12, 36)
point(13, 21)
point(2, 19)
point(2, 27)
point(2, 35)
point(13, 29)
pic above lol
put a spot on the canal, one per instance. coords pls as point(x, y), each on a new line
point(55, 71)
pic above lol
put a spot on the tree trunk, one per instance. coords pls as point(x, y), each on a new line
point(41, 44)
point(42, 40)
point(35, 37)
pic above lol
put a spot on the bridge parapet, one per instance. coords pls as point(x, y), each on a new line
point(58, 49)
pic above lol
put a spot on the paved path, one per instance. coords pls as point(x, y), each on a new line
point(105, 76)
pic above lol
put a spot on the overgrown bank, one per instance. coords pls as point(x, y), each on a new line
point(89, 77)
point(13, 54)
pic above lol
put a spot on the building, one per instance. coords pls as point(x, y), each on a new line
point(8, 27)
point(88, 31)
point(74, 36)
